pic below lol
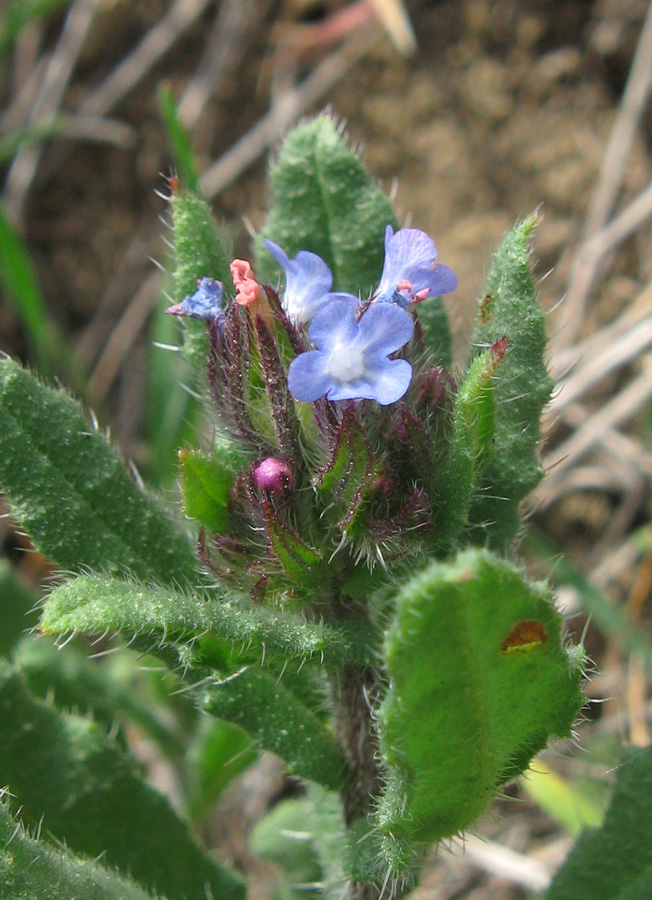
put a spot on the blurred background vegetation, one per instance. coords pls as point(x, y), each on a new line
point(472, 113)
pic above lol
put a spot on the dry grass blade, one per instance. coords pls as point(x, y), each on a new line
point(283, 113)
point(56, 76)
point(610, 179)
point(224, 47)
point(504, 863)
point(619, 409)
point(134, 67)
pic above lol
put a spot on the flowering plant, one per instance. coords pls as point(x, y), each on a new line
point(349, 599)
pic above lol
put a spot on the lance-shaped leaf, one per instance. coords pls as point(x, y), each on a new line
point(479, 680)
point(523, 387)
point(69, 679)
point(31, 868)
point(66, 775)
point(198, 252)
point(341, 486)
point(436, 332)
point(94, 604)
point(325, 202)
point(470, 446)
point(206, 484)
point(277, 721)
point(71, 493)
point(615, 862)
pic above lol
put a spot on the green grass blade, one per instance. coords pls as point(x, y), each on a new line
point(178, 139)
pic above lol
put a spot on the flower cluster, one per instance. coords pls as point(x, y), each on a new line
point(353, 340)
point(285, 372)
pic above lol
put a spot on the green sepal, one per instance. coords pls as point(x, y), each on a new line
point(92, 604)
point(325, 202)
point(206, 483)
point(470, 446)
point(31, 868)
point(70, 492)
point(301, 562)
point(341, 486)
point(284, 417)
point(510, 309)
point(479, 680)
point(276, 720)
point(67, 776)
point(615, 862)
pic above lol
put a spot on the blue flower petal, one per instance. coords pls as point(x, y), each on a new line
point(308, 377)
point(351, 362)
point(391, 379)
point(410, 255)
point(334, 325)
point(385, 329)
point(308, 281)
point(444, 280)
point(205, 303)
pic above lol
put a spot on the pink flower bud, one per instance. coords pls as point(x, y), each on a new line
point(272, 476)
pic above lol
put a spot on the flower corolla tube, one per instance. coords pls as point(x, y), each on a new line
point(308, 282)
point(409, 273)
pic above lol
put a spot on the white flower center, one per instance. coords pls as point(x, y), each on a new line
point(346, 363)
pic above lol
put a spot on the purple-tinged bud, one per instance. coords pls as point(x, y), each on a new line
point(272, 476)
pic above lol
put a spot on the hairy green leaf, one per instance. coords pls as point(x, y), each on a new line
point(198, 252)
point(470, 446)
point(436, 330)
point(206, 484)
point(480, 679)
point(325, 202)
point(74, 681)
point(510, 309)
point(17, 608)
point(32, 869)
point(615, 861)
point(71, 493)
point(218, 753)
point(66, 775)
point(277, 721)
point(93, 604)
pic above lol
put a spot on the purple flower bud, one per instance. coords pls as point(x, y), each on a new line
point(409, 273)
point(351, 361)
point(272, 476)
point(205, 303)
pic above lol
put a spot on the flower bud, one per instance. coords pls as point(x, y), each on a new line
point(272, 476)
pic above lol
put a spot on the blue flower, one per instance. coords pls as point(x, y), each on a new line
point(351, 361)
point(308, 282)
point(409, 273)
point(205, 303)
